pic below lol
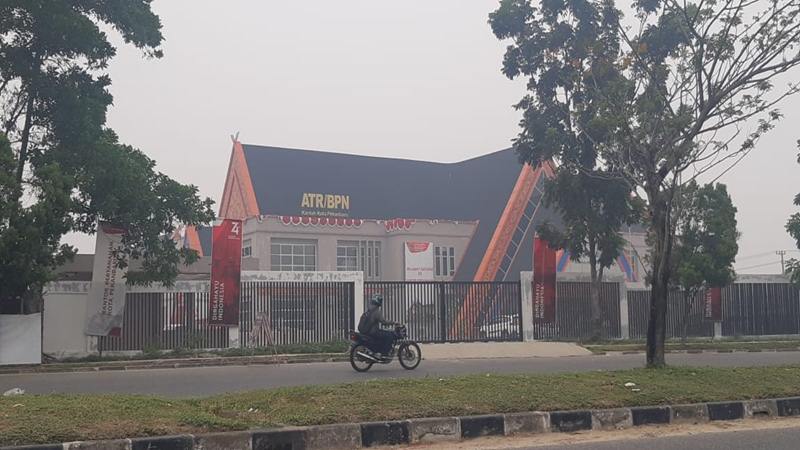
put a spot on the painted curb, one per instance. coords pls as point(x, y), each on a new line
point(403, 432)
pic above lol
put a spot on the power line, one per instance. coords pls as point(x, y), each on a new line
point(759, 265)
point(756, 255)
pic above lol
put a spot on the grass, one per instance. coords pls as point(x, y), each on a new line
point(732, 345)
point(31, 419)
point(179, 353)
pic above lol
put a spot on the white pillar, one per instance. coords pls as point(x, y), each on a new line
point(233, 337)
point(624, 320)
point(526, 291)
point(717, 330)
point(358, 297)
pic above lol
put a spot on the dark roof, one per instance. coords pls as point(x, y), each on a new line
point(204, 234)
point(385, 188)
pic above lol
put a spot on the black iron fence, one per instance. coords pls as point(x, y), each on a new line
point(452, 311)
point(574, 312)
point(284, 313)
point(639, 315)
point(271, 313)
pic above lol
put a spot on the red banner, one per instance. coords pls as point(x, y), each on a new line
point(544, 282)
point(226, 269)
point(713, 306)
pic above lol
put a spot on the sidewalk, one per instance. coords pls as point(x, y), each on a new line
point(481, 350)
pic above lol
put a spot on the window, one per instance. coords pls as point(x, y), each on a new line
point(293, 255)
point(445, 261)
point(359, 256)
point(247, 248)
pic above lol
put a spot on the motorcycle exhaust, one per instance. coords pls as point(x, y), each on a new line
point(366, 356)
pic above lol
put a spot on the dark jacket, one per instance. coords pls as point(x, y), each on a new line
point(374, 319)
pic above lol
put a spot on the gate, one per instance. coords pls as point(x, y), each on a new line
point(432, 310)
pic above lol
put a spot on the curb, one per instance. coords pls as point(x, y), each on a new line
point(177, 363)
point(448, 429)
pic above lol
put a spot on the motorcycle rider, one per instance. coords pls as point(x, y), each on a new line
point(370, 325)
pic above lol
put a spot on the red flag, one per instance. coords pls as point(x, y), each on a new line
point(226, 268)
point(713, 306)
point(544, 281)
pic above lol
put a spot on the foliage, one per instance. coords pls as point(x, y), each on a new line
point(706, 244)
point(568, 49)
point(61, 170)
point(793, 227)
point(690, 95)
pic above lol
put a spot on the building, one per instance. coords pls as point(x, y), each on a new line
point(393, 219)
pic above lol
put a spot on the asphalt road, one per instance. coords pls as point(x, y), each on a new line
point(200, 381)
point(783, 439)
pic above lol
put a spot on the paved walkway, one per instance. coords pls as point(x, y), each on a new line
point(491, 350)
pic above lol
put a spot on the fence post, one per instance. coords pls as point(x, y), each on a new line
point(358, 301)
point(526, 293)
point(624, 320)
point(442, 313)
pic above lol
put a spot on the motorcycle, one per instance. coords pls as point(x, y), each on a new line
point(362, 357)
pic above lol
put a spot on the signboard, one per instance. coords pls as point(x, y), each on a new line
point(544, 282)
point(325, 205)
point(106, 302)
point(713, 304)
point(419, 261)
point(226, 271)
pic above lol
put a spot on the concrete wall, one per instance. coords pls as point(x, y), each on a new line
point(21, 338)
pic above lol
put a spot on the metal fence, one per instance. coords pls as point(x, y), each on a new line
point(452, 311)
point(165, 320)
point(282, 313)
point(639, 315)
point(574, 311)
point(760, 309)
point(271, 313)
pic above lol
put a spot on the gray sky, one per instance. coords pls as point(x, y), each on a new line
point(413, 79)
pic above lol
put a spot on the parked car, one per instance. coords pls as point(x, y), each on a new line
point(505, 326)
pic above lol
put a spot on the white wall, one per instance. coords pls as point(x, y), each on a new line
point(21, 336)
point(65, 319)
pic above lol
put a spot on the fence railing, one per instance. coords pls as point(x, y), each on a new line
point(639, 315)
point(271, 313)
point(491, 310)
point(573, 313)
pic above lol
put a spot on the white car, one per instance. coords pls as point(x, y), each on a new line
point(503, 327)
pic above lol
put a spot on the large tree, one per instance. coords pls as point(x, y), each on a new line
point(568, 50)
point(61, 169)
point(706, 242)
point(695, 94)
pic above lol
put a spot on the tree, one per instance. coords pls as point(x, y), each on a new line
point(693, 96)
point(593, 210)
point(568, 51)
point(793, 227)
point(706, 242)
point(61, 169)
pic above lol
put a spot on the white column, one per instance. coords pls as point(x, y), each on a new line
point(526, 291)
point(233, 337)
point(624, 320)
point(358, 297)
point(717, 330)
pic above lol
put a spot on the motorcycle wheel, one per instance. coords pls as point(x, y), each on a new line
point(358, 363)
point(409, 355)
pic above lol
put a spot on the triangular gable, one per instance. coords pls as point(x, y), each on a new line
point(238, 198)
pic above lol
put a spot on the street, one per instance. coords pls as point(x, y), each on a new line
point(202, 381)
point(776, 434)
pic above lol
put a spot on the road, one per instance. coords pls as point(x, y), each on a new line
point(200, 381)
point(740, 435)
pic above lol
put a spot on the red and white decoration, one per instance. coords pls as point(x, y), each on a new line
point(321, 221)
point(399, 224)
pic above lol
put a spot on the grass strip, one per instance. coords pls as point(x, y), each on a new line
point(32, 419)
point(733, 345)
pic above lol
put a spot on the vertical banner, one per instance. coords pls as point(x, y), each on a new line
point(713, 304)
point(106, 301)
point(419, 261)
point(544, 281)
point(226, 269)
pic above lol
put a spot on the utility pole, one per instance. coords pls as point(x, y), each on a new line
point(782, 253)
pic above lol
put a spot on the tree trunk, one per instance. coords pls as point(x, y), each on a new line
point(26, 139)
point(662, 253)
point(596, 320)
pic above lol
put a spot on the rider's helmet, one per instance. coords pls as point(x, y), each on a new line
point(377, 300)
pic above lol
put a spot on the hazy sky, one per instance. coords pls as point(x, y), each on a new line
point(413, 79)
